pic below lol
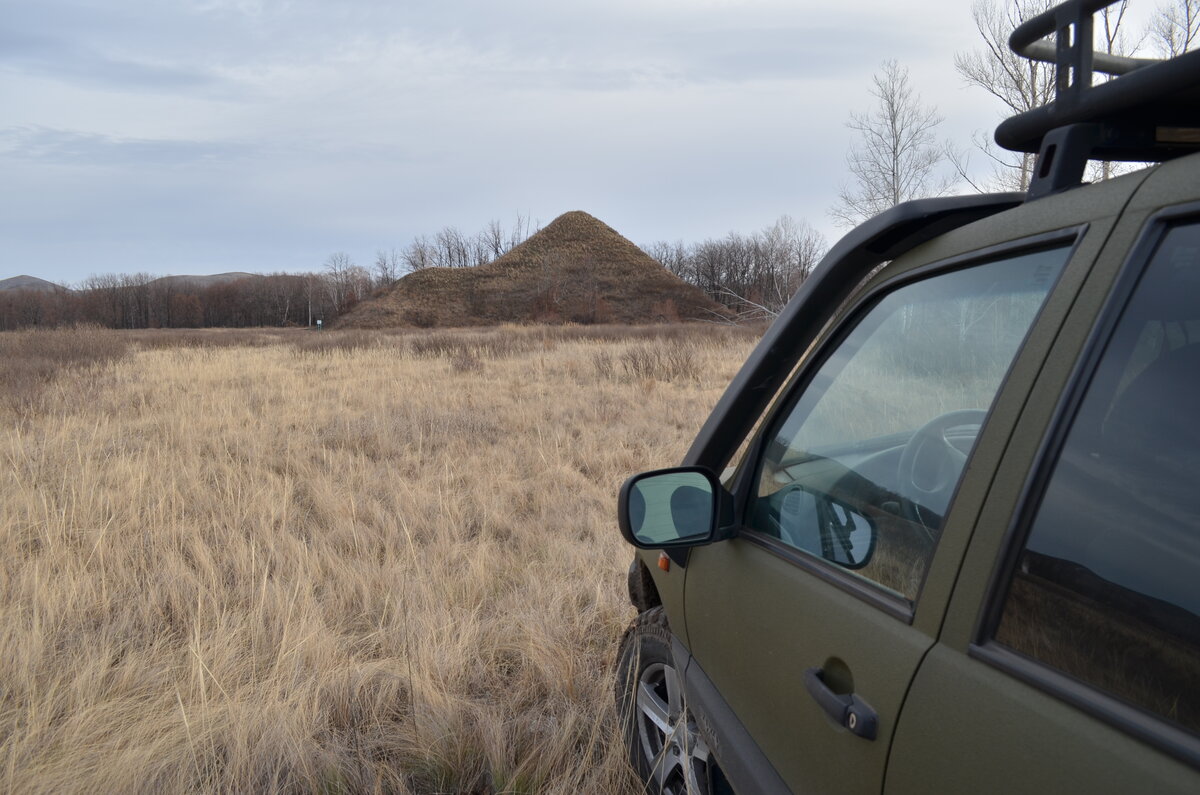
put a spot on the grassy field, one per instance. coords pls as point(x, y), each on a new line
point(337, 562)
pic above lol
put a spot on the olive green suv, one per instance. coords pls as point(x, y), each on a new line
point(954, 545)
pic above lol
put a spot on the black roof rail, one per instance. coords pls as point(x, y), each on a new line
point(1148, 112)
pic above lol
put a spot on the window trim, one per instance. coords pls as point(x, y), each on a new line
point(1143, 724)
point(748, 468)
point(870, 592)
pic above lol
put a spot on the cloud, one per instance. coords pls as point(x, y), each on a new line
point(67, 147)
point(72, 62)
point(232, 131)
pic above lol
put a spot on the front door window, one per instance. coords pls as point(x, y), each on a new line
point(861, 469)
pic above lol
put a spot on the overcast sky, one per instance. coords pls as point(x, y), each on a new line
point(201, 136)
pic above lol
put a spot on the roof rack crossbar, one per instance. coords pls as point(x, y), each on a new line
point(1073, 52)
point(1148, 112)
point(1103, 62)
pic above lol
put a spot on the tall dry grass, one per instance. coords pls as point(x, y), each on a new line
point(336, 563)
point(30, 361)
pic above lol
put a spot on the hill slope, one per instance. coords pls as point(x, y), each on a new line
point(201, 282)
point(28, 283)
point(576, 269)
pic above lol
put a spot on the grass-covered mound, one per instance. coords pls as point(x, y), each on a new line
point(577, 269)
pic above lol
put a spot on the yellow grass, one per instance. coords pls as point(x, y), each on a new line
point(299, 567)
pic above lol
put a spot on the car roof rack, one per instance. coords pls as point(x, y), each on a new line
point(1148, 112)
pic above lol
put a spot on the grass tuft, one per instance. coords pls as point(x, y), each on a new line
point(31, 360)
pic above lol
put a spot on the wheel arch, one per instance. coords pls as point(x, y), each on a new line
point(643, 593)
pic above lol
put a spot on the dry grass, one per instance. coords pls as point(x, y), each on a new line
point(31, 360)
point(337, 563)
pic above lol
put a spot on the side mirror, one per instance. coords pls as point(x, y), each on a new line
point(669, 508)
point(849, 536)
point(824, 526)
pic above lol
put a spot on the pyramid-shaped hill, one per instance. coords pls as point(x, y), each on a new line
point(576, 269)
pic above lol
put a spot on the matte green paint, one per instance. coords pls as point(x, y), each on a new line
point(968, 726)
point(756, 620)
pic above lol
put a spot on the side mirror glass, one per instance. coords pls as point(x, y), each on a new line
point(669, 507)
point(850, 537)
point(826, 527)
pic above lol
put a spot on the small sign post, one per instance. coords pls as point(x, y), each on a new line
point(319, 325)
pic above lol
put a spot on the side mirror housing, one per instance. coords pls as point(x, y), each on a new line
point(666, 508)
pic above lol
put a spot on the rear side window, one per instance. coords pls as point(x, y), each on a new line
point(1107, 588)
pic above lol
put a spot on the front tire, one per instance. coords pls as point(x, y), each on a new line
point(664, 746)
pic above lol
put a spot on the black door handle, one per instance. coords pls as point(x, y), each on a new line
point(848, 710)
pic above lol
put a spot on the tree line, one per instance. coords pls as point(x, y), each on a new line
point(138, 301)
point(752, 275)
point(143, 300)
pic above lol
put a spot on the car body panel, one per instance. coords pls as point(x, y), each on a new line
point(968, 727)
point(971, 722)
point(757, 633)
point(753, 617)
point(740, 594)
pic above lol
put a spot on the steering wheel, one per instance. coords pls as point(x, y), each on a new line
point(931, 463)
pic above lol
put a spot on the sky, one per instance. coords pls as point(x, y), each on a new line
point(204, 136)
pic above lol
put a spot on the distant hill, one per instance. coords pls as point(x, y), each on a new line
point(575, 269)
point(192, 282)
point(202, 282)
point(28, 283)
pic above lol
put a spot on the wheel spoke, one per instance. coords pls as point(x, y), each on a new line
point(650, 705)
point(694, 762)
point(694, 782)
point(697, 748)
point(663, 765)
point(674, 693)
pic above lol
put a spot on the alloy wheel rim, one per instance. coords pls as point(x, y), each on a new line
point(677, 754)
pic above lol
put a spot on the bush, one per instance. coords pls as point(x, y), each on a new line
point(326, 341)
point(661, 362)
point(30, 360)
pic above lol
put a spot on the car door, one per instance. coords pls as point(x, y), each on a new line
point(885, 440)
point(1070, 656)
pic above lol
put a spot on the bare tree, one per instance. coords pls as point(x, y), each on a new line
point(356, 286)
point(1175, 28)
point(452, 249)
point(337, 273)
point(672, 256)
point(896, 156)
point(493, 239)
point(388, 266)
point(1020, 85)
point(419, 255)
point(755, 275)
point(521, 231)
point(479, 252)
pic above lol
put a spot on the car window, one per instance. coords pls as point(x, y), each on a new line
point(859, 471)
point(1107, 588)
